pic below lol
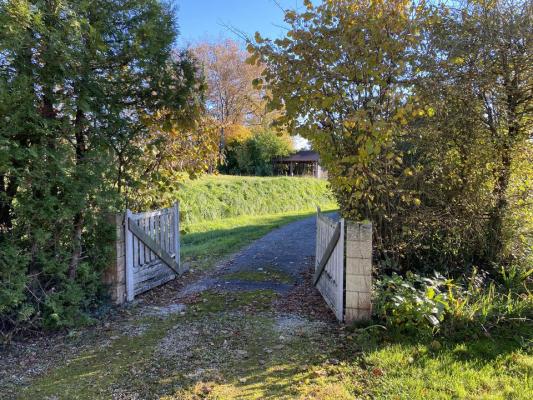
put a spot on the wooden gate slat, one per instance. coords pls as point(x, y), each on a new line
point(165, 241)
point(176, 233)
point(135, 251)
point(332, 243)
point(141, 250)
point(169, 237)
point(151, 234)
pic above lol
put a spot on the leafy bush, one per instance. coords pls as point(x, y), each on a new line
point(417, 130)
point(438, 305)
point(47, 297)
point(412, 303)
point(515, 277)
point(12, 284)
point(481, 303)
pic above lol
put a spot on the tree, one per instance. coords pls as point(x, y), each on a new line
point(231, 98)
point(167, 156)
point(76, 79)
point(481, 55)
point(254, 154)
point(237, 134)
point(419, 113)
point(339, 75)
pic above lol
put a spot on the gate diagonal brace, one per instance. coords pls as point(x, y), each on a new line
point(152, 245)
point(327, 254)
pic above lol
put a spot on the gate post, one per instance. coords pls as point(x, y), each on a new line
point(317, 239)
point(176, 229)
point(114, 276)
point(129, 258)
point(358, 287)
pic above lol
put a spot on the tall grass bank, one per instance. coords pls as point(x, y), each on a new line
point(218, 196)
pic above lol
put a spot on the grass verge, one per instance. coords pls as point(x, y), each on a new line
point(495, 367)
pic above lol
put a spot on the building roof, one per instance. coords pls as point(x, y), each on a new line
point(301, 156)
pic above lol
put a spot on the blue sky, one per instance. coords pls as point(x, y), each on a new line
point(204, 19)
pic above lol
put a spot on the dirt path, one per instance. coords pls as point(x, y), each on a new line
point(253, 328)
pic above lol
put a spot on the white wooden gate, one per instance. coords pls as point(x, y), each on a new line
point(329, 266)
point(152, 249)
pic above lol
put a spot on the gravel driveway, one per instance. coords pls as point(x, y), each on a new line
point(275, 262)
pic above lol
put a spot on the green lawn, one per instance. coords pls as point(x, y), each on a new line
point(496, 367)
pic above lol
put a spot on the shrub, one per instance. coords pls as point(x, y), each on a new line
point(439, 305)
point(38, 293)
point(481, 303)
point(413, 303)
point(420, 132)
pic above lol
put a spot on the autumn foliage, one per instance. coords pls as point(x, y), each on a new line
point(422, 116)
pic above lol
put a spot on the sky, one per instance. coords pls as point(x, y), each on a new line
point(205, 19)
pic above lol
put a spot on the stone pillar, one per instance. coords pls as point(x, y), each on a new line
point(115, 274)
point(358, 271)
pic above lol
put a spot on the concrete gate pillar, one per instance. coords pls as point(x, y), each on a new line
point(358, 287)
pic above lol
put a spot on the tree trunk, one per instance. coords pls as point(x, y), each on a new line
point(77, 251)
point(8, 190)
point(221, 145)
point(497, 214)
point(79, 218)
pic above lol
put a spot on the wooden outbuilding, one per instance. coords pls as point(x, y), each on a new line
point(302, 163)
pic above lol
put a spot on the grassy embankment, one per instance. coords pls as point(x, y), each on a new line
point(221, 214)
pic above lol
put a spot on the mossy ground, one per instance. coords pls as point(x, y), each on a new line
point(236, 345)
point(92, 374)
point(229, 345)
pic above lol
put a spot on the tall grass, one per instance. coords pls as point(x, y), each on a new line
point(217, 197)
